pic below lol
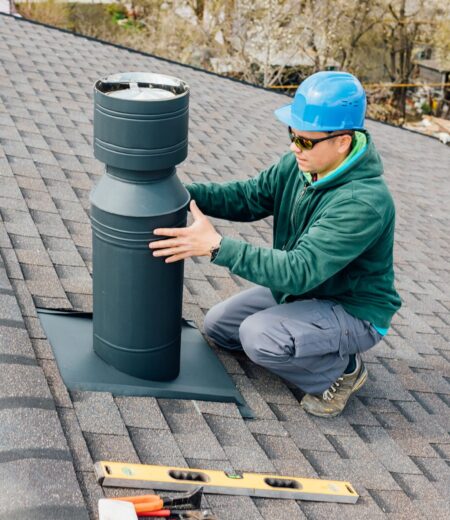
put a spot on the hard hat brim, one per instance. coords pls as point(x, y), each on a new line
point(285, 115)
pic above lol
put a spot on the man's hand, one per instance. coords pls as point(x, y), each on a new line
point(196, 240)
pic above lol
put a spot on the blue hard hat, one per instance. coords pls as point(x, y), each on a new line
point(326, 101)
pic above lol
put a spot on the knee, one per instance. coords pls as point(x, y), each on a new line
point(251, 335)
point(210, 323)
point(264, 340)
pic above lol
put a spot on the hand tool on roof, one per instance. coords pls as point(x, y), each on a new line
point(150, 503)
point(112, 509)
point(118, 474)
point(180, 515)
point(186, 506)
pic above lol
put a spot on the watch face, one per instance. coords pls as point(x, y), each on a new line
point(214, 253)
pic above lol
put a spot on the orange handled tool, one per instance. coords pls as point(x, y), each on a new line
point(162, 513)
point(144, 503)
point(148, 507)
point(150, 503)
point(182, 515)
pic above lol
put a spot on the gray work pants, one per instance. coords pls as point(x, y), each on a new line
point(306, 342)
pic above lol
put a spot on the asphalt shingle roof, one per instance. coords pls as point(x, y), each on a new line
point(392, 442)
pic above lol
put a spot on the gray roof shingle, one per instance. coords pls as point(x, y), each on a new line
point(392, 442)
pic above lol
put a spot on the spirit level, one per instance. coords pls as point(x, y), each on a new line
point(118, 474)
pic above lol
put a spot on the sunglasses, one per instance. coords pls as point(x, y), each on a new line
point(305, 143)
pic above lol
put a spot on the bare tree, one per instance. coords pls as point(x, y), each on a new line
point(359, 19)
point(441, 36)
point(406, 25)
point(49, 12)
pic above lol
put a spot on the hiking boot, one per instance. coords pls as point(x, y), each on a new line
point(333, 401)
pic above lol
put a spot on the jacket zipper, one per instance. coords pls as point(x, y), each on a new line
point(294, 210)
point(297, 203)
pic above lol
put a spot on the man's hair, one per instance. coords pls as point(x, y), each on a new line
point(352, 132)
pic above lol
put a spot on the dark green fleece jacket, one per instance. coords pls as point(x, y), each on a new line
point(332, 239)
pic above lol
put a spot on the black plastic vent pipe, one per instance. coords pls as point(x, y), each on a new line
point(140, 133)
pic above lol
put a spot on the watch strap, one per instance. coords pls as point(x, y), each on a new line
point(215, 251)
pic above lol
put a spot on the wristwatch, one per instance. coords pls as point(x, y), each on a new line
point(215, 251)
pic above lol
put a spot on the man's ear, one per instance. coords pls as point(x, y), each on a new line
point(345, 143)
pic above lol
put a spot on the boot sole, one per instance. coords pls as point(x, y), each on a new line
point(359, 383)
point(362, 378)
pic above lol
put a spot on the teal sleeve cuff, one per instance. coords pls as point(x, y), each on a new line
point(229, 248)
point(380, 330)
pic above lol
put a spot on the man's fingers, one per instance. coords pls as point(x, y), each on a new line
point(176, 258)
point(170, 251)
point(171, 242)
point(196, 213)
point(170, 232)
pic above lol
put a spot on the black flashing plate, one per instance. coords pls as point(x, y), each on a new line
point(202, 375)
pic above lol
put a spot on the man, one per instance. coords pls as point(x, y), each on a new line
point(326, 290)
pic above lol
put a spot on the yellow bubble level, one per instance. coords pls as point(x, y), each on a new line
point(119, 474)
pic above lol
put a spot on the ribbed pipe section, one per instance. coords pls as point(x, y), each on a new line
point(140, 133)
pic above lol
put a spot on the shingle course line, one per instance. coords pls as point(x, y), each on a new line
point(12, 359)
point(12, 323)
point(42, 403)
point(36, 453)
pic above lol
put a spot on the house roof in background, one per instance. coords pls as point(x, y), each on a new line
point(434, 65)
point(5, 6)
point(392, 442)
